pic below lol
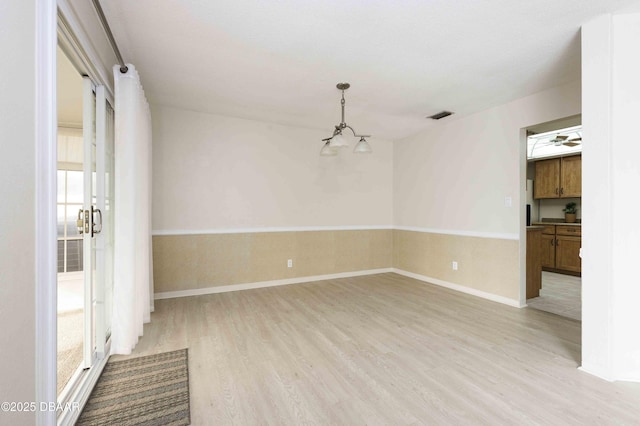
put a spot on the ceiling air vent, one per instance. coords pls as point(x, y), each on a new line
point(440, 115)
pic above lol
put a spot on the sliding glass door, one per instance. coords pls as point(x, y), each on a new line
point(73, 131)
point(97, 216)
point(85, 235)
point(96, 226)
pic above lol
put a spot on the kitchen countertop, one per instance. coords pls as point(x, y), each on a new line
point(534, 227)
point(544, 222)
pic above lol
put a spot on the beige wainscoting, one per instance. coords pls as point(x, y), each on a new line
point(188, 262)
point(489, 265)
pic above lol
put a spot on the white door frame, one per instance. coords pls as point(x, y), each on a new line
point(100, 267)
point(45, 214)
point(89, 131)
point(58, 25)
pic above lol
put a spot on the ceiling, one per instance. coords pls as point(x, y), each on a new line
point(279, 61)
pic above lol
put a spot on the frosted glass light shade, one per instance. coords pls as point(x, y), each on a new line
point(362, 147)
point(338, 141)
point(328, 151)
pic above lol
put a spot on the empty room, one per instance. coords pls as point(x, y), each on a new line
point(245, 212)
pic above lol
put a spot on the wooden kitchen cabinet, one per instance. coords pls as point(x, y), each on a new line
point(548, 251)
point(560, 248)
point(568, 243)
point(558, 178)
point(570, 230)
point(571, 177)
point(534, 267)
point(568, 253)
point(547, 182)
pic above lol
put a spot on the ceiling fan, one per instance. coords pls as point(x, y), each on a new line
point(570, 138)
point(564, 140)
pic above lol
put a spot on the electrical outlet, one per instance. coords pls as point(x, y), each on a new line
point(454, 265)
point(290, 263)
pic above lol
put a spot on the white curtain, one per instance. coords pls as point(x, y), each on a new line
point(133, 273)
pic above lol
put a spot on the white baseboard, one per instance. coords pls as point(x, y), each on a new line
point(262, 284)
point(472, 291)
point(606, 375)
point(299, 280)
point(598, 372)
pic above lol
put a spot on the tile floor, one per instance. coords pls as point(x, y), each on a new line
point(560, 295)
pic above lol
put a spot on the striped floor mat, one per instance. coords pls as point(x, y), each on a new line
point(149, 390)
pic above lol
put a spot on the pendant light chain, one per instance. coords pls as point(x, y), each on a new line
point(343, 102)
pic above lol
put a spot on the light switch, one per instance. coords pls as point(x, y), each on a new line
point(507, 201)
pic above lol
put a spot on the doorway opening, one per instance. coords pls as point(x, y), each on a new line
point(553, 217)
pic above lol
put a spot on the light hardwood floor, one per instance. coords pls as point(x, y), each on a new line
point(560, 294)
point(380, 349)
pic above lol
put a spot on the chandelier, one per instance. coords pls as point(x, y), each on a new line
point(339, 138)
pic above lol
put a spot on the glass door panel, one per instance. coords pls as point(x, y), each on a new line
point(70, 304)
point(69, 200)
point(87, 226)
point(104, 236)
point(85, 237)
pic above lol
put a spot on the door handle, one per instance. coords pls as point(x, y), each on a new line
point(95, 231)
point(87, 223)
point(83, 222)
point(80, 222)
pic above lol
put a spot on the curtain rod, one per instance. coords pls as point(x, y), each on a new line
point(107, 29)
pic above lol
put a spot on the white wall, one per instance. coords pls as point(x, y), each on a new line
point(212, 172)
point(27, 215)
point(17, 215)
point(611, 178)
point(456, 175)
